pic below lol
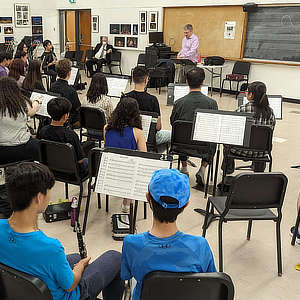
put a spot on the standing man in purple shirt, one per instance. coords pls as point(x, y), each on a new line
point(190, 44)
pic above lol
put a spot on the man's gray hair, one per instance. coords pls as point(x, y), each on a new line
point(188, 27)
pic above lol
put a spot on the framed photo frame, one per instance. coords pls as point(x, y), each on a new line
point(22, 15)
point(143, 22)
point(135, 29)
point(131, 42)
point(8, 30)
point(126, 29)
point(153, 21)
point(114, 28)
point(6, 20)
point(119, 42)
point(95, 24)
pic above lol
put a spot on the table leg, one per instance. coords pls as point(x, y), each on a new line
point(211, 82)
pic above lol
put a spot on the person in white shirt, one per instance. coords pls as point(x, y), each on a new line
point(102, 55)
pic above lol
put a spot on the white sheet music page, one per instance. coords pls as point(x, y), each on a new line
point(204, 90)
point(180, 91)
point(275, 104)
point(126, 176)
point(45, 98)
point(116, 86)
point(73, 76)
point(245, 100)
point(207, 127)
point(146, 123)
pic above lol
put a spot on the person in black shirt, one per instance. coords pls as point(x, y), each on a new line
point(49, 59)
point(148, 102)
point(59, 109)
point(61, 86)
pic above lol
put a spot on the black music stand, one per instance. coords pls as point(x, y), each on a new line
point(134, 153)
point(246, 140)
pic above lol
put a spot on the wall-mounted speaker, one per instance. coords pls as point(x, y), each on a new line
point(250, 7)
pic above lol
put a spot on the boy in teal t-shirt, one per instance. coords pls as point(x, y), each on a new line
point(164, 247)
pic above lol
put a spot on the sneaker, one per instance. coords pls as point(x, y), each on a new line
point(297, 236)
point(185, 171)
point(200, 176)
point(125, 209)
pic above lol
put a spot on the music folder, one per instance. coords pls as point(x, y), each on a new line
point(73, 80)
point(222, 127)
point(275, 102)
point(127, 173)
point(43, 97)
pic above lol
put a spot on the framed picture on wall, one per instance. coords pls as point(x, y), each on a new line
point(126, 29)
point(5, 20)
point(95, 24)
point(8, 30)
point(135, 29)
point(8, 39)
point(22, 15)
point(119, 41)
point(132, 42)
point(114, 28)
point(153, 21)
point(143, 22)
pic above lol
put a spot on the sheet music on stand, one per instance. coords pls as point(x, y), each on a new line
point(127, 173)
point(74, 73)
point(44, 97)
point(222, 127)
point(146, 123)
point(116, 86)
point(275, 102)
point(181, 90)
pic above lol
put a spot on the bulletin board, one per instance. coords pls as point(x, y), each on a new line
point(209, 26)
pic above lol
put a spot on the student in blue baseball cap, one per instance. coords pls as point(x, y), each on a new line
point(164, 247)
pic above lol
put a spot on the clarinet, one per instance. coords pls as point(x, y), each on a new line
point(81, 244)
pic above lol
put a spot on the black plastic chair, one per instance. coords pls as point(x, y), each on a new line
point(88, 55)
point(78, 58)
point(61, 160)
point(140, 62)
point(93, 120)
point(161, 285)
point(260, 141)
point(15, 285)
point(182, 144)
point(70, 55)
point(240, 73)
point(251, 198)
point(115, 61)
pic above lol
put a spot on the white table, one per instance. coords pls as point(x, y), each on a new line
point(216, 72)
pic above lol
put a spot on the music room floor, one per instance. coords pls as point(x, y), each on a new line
point(252, 264)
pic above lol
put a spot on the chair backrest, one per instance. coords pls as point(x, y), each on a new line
point(160, 285)
point(94, 158)
point(89, 54)
point(256, 190)
point(261, 138)
point(181, 142)
point(70, 55)
point(241, 67)
point(60, 159)
point(141, 59)
point(151, 141)
point(92, 118)
point(15, 284)
point(78, 56)
point(151, 59)
point(116, 56)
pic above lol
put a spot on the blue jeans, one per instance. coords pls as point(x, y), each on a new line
point(103, 274)
point(163, 136)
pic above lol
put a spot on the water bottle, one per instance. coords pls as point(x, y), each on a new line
point(73, 213)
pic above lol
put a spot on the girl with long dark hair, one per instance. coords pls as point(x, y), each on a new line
point(124, 130)
point(33, 79)
point(17, 71)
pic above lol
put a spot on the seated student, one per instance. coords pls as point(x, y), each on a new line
point(184, 109)
point(61, 86)
point(49, 60)
point(16, 143)
point(97, 95)
point(26, 248)
point(24, 56)
point(258, 105)
point(59, 109)
point(5, 61)
point(33, 78)
point(168, 194)
point(17, 71)
point(124, 130)
point(148, 102)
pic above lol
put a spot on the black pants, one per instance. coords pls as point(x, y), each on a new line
point(51, 72)
point(28, 151)
point(95, 61)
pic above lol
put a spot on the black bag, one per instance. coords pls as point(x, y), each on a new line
point(57, 212)
point(214, 61)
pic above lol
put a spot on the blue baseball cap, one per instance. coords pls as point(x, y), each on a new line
point(171, 183)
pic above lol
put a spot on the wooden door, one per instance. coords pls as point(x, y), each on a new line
point(70, 29)
point(85, 31)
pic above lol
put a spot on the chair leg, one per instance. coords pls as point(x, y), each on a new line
point(270, 164)
point(178, 166)
point(296, 228)
point(220, 246)
point(204, 227)
point(107, 203)
point(249, 230)
point(230, 85)
point(86, 213)
point(221, 91)
point(145, 210)
point(120, 70)
point(67, 190)
point(212, 171)
point(79, 201)
point(99, 200)
point(279, 258)
point(237, 89)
